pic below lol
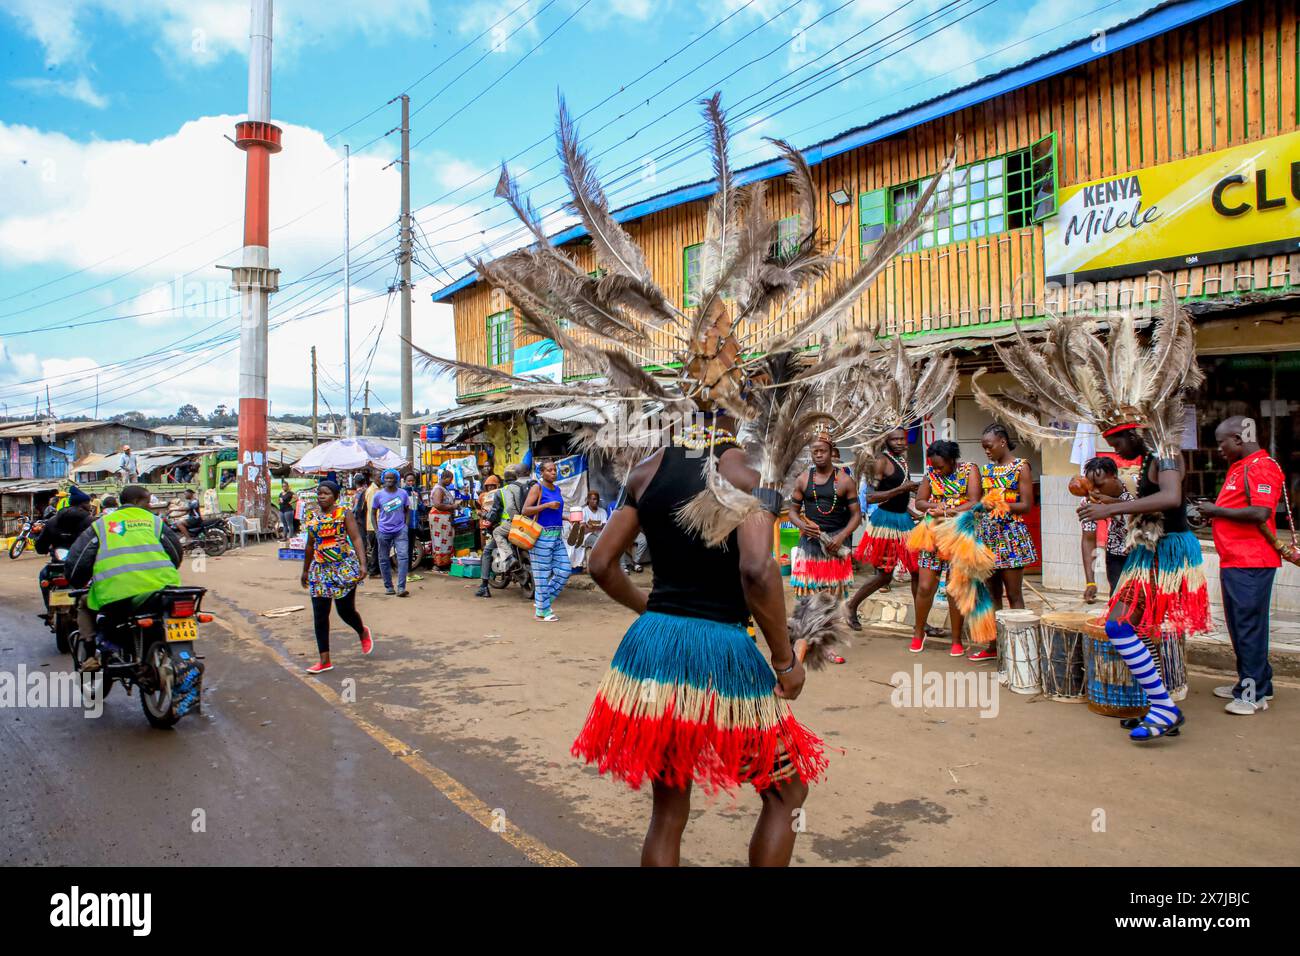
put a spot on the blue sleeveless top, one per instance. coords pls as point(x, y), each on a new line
point(551, 517)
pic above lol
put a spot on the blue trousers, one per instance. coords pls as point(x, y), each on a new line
point(398, 542)
point(1246, 594)
point(550, 562)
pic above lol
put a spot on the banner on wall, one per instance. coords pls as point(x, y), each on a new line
point(543, 358)
point(571, 479)
point(1237, 203)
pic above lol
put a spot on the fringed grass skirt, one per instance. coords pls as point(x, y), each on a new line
point(884, 544)
point(690, 700)
point(1165, 590)
point(812, 570)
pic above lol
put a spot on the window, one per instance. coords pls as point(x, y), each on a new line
point(787, 238)
point(872, 215)
point(501, 337)
point(1006, 192)
point(693, 274)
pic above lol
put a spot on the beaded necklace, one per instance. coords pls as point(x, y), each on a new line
point(835, 485)
point(899, 463)
point(949, 488)
point(699, 437)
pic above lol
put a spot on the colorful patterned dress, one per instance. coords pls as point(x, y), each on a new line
point(1007, 536)
point(334, 567)
point(950, 490)
point(442, 533)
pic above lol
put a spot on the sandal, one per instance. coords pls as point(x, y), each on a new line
point(852, 621)
point(1146, 730)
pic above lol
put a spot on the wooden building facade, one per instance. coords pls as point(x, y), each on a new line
point(1185, 80)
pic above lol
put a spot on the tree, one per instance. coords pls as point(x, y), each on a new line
point(130, 418)
point(188, 415)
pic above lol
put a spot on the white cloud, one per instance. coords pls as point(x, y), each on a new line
point(80, 90)
point(120, 206)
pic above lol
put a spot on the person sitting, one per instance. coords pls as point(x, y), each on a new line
point(585, 533)
point(61, 531)
point(193, 513)
point(125, 559)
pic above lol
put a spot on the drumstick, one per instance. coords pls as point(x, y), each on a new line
point(1041, 596)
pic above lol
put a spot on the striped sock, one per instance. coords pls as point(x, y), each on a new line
point(1143, 666)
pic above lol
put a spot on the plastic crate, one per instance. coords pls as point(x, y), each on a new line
point(292, 554)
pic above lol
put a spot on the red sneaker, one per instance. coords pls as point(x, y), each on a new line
point(367, 642)
point(987, 653)
point(918, 644)
point(956, 650)
point(319, 668)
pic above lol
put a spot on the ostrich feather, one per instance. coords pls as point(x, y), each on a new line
point(818, 622)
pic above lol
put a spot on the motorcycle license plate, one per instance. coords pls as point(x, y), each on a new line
point(60, 599)
point(181, 629)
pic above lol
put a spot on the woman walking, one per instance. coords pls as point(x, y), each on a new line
point(331, 571)
point(688, 697)
point(1007, 536)
point(550, 557)
point(951, 486)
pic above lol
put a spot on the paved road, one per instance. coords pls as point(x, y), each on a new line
point(281, 775)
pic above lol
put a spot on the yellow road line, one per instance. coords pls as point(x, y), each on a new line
point(461, 796)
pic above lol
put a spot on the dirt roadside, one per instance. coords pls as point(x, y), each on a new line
point(1039, 783)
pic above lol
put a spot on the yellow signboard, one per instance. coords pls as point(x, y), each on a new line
point(1236, 203)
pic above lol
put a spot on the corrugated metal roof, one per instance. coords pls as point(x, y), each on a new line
point(1154, 22)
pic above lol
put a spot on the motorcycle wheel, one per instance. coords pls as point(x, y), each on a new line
point(80, 651)
point(498, 581)
point(157, 703)
point(18, 547)
point(215, 543)
point(62, 631)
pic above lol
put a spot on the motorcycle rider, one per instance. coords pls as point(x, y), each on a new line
point(509, 501)
point(126, 557)
point(193, 514)
point(61, 531)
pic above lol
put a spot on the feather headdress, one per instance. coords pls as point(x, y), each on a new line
point(760, 304)
point(1123, 380)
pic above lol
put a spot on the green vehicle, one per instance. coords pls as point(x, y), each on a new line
point(228, 491)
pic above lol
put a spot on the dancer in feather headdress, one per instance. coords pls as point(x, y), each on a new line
point(689, 697)
point(1131, 388)
point(904, 394)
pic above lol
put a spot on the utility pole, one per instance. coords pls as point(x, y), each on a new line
point(315, 437)
point(49, 412)
point(254, 278)
point(406, 240)
point(347, 289)
point(365, 409)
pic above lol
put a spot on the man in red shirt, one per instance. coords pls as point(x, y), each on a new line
point(1248, 561)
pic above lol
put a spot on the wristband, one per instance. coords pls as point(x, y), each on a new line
point(794, 660)
point(1090, 584)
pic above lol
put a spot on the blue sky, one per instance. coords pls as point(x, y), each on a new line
point(122, 194)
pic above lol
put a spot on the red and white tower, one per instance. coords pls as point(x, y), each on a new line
point(254, 278)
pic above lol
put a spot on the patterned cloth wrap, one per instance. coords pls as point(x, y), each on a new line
point(946, 490)
point(334, 568)
point(690, 700)
point(1007, 536)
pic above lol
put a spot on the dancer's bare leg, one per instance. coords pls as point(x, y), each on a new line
point(995, 585)
point(775, 832)
point(663, 841)
point(1014, 580)
point(870, 587)
point(927, 585)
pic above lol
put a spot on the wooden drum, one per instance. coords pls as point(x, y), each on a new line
point(1060, 652)
point(1113, 691)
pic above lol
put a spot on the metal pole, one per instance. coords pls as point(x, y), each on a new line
point(347, 290)
point(315, 437)
point(407, 236)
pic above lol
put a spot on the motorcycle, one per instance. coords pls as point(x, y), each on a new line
point(518, 570)
point(28, 530)
point(62, 615)
point(151, 649)
point(213, 536)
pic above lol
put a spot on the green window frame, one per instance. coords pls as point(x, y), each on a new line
point(788, 234)
point(692, 275)
point(501, 337)
point(873, 215)
point(1012, 191)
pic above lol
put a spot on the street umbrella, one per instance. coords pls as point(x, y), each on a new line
point(348, 454)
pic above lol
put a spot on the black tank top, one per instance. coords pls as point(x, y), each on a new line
point(837, 515)
point(1175, 518)
point(690, 578)
point(898, 502)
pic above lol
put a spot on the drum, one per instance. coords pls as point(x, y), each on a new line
point(1113, 691)
point(1018, 650)
point(1060, 651)
point(1173, 665)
